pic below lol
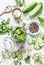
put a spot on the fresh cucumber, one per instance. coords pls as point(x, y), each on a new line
point(29, 7)
point(29, 41)
point(36, 10)
point(34, 40)
point(18, 53)
point(13, 54)
point(19, 56)
point(40, 40)
point(42, 44)
point(36, 46)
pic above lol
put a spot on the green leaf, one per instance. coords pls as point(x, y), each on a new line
point(41, 20)
point(27, 59)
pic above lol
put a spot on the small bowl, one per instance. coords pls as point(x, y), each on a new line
point(33, 34)
point(16, 39)
point(15, 16)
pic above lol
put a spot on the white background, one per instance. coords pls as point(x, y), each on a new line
point(3, 4)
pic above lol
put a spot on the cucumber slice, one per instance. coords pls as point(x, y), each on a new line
point(18, 53)
point(42, 44)
point(36, 46)
point(29, 41)
point(36, 10)
point(13, 54)
point(40, 40)
point(29, 7)
point(34, 40)
point(21, 2)
point(19, 56)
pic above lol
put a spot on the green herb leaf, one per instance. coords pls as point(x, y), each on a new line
point(41, 20)
point(27, 59)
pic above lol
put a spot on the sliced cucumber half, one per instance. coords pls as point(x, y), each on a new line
point(36, 10)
